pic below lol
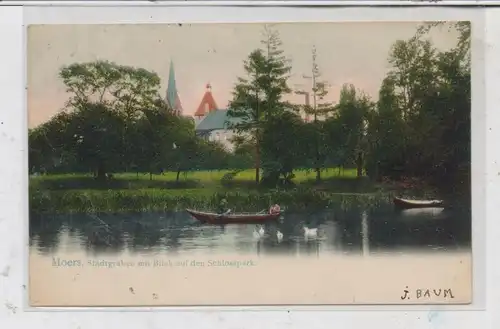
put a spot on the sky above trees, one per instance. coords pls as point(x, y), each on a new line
point(354, 53)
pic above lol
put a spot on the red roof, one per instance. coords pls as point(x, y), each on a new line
point(207, 103)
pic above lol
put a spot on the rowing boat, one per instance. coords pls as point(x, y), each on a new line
point(241, 218)
point(408, 204)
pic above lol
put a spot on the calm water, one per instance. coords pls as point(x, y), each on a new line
point(351, 231)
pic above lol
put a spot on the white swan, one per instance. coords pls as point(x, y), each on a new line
point(310, 232)
point(258, 233)
point(279, 235)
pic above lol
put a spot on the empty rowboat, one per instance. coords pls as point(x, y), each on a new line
point(408, 204)
point(242, 218)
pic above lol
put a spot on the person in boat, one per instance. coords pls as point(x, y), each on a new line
point(222, 209)
point(274, 209)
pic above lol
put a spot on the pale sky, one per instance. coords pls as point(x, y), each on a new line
point(347, 53)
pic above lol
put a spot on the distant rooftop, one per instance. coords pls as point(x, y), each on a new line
point(207, 103)
point(216, 120)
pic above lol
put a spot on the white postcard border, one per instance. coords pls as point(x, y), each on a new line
point(13, 201)
point(167, 14)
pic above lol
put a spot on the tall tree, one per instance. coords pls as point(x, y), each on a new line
point(453, 98)
point(284, 147)
point(413, 72)
point(353, 110)
point(259, 96)
point(423, 110)
point(155, 135)
point(463, 28)
point(125, 90)
point(47, 143)
point(96, 138)
point(386, 129)
point(246, 104)
point(276, 74)
point(318, 108)
point(89, 82)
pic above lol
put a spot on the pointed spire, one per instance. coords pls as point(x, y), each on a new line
point(171, 88)
point(172, 95)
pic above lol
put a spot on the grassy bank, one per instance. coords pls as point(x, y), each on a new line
point(158, 200)
point(200, 190)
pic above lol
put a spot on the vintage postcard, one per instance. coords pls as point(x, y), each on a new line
point(250, 164)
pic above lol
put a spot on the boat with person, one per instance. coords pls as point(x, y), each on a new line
point(409, 204)
point(236, 218)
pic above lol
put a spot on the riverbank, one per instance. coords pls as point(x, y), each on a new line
point(92, 201)
point(199, 190)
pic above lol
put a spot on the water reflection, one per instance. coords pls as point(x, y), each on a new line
point(354, 230)
point(365, 238)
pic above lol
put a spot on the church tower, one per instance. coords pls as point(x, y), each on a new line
point(207, 104)
point(172, 97)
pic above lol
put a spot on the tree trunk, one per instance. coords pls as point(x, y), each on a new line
point(150, 175)
point(316, 144)
point(377, 172)
point(101, 172)
point(257, 140)
point(178, 174)
point(359, 165)
point(257, 158)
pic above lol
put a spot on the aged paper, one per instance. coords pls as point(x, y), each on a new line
point(250, 164)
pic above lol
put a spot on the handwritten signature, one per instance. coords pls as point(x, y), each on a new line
point(427, 293)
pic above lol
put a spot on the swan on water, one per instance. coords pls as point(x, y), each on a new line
point(258, 233)
point(279, 235)
point(310, 232)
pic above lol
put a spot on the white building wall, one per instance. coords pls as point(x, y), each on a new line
point(224, 137)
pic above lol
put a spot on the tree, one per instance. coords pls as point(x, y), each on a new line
point(115, 120)
point(155, 134)
point(423, 112)
point(258, 97)
point(353, 111)
point(280, 159)
point(453, 98)
point(246, 104)
point(184, 146)
point(46, 143)
point(462, 48)
point(94, 136)
point(413, 73)
point(88, 82)
point(123, 89)
point(319, 108)
point(385, 149)
point(276, 74)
